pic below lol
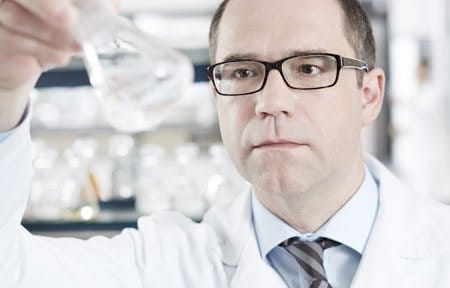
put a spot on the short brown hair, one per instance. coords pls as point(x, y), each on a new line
point(357, 29)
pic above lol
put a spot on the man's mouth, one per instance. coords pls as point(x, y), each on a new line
point(278, 145)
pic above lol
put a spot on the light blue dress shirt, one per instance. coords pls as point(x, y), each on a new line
point(351, 226)
point(4, 135)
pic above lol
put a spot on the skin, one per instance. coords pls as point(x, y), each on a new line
point(38, 34)
point(317, 164)
point(39, 37)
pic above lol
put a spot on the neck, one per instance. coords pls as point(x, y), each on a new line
point(307, 211)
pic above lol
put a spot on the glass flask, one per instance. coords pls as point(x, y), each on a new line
point(121, 151)
point(220, 188)
point(152, 193)
point(45, 198)
point(137, 79)
point(188, 196)
point(224, 181)
point(80, 191)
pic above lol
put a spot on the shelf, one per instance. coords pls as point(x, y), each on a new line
point(198, 56)
point(114, 216)
point(76, 75)
point(193, 129)
point(56, 226)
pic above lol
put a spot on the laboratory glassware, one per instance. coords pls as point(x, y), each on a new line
point(138, 80)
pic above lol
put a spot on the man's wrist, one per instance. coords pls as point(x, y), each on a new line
point(6, 134)
point(12, 113)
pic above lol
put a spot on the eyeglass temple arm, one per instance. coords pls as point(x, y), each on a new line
point(355, 64)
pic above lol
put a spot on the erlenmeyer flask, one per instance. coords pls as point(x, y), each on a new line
point(80, 191)
point(136, 78)
point(188, 197)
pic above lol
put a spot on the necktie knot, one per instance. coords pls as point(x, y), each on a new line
point(326, 243)
point(309, 256)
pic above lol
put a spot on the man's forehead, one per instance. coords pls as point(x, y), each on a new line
point(277, 29)
point(256, 56)
point(270, 9)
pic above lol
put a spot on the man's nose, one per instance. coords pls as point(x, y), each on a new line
point(276, 98)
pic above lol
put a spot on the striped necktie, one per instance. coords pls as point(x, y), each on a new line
point(309, 255)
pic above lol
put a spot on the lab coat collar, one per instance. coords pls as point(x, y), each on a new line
point(233, 225)
point(359, 213)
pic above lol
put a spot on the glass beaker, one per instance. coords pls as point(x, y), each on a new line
point(153, 194)
point(80, 191)
point(121, 152)
point(137, 79)
point(188, 196)
point(222, 184)
point(44, 202)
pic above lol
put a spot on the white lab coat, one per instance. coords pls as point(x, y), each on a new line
point(409, 246)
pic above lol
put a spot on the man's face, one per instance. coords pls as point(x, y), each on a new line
point(319, 129)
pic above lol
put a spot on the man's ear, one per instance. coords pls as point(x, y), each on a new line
point(372, 95)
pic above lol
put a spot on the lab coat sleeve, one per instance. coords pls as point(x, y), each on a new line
point(33, 261)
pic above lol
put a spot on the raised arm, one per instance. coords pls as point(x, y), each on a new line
point(35, 36)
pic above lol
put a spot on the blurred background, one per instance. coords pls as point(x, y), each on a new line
point(91, 179)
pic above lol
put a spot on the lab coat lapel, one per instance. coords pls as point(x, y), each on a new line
point(381, 262)
point(240, 253)
point(382, 247)
point(408, 230)
point(252, 271)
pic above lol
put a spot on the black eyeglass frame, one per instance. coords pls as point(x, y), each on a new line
point(342, 62)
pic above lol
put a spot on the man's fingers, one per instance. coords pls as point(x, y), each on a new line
point(56, 12)
point(19, 20)
point(46, 55)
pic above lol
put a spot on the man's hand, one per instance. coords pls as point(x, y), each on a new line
point(35, 35)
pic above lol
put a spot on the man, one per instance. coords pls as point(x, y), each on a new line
point(295, 83)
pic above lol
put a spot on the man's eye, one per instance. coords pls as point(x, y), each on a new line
point(309, 69)
point(243, 73)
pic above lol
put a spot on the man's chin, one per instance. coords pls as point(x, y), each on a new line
point(280, 163)
point(276, 182)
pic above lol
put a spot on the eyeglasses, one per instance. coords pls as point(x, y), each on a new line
point(306, 72)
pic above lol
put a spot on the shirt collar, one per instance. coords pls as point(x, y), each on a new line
point(358, 213)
